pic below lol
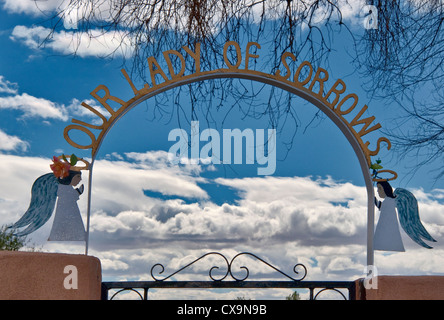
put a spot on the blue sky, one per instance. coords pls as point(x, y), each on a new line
point(311, 210)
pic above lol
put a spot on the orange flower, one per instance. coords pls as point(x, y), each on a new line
point(59, 168)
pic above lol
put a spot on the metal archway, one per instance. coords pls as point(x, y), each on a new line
point(263, 78)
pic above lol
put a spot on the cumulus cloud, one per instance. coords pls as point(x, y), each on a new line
point(12, 143)
point(120, 180)
point(100, 43)
point(16, 178)
point(34, 8)
point(350, 10)
point(302, 211)
point(96, 43)
point(7, 87)
point(30, 106)
point(75, 109)
point(34, 107)
point(321, 206)
point(319, 222)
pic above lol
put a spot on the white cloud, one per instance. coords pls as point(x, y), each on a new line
point(34, 8)
point(105, 9)
point(353, 11)
point(118, 180)
point(96, 43)
point(7, 87)
point(93, 44)
point(284, 220)
point(34, 107)
point(109, 264)
point(12, 143)
point(76, 110)
point(30, 106)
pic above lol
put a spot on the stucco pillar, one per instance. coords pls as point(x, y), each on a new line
point(49, 276)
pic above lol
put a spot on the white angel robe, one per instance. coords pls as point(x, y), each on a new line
point(68, 223)
point(387, 236)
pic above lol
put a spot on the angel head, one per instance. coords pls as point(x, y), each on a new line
point(66, 171)
point(73, 178)
point(385, 189)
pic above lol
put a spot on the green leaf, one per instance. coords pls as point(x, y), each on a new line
point(64, 158)
point(376, 166)
point(73, 159)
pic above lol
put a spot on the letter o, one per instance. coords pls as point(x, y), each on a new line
point(80, 128)
point(238, 54)
point(298, 71)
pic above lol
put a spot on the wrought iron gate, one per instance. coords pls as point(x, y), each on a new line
point(223, 281)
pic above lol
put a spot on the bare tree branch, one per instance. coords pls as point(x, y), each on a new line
point(402, 59)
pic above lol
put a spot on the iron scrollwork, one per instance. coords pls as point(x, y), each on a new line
point(298, 269)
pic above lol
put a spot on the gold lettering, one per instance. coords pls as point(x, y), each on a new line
point(298, 72)
point(378, 146)
point(103, 100)
point(166, 55)
point(238, 55)
point(317, 78)
point(248, 55)
point(152, 62)
point(97, 113)
point(195, 55)
point(302, 77)
point(338, 108)
point(75, 144)
point(128, 79)
point(366, 122)
point(286, 66)
point(337, 91)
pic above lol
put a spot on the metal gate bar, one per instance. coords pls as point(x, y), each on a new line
point(311, 285)
point(220, 280)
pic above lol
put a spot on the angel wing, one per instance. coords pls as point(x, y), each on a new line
point(43, 197)
point(408, 212)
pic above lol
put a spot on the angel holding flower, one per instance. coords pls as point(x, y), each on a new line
point(49, 188)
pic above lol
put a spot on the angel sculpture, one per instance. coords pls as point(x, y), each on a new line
point(57, 185)
point(387, 235)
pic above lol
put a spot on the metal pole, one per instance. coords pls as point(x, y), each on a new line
point(88, 210)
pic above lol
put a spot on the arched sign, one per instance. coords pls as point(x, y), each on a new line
point(306, 82)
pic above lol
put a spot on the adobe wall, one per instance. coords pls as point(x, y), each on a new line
point(49, 276)
point(58, 276)
point(403, 288)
